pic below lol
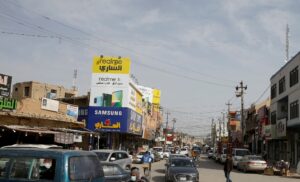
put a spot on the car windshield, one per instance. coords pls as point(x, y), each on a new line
point(242, 152)
point(181, 163)
point(103, 156)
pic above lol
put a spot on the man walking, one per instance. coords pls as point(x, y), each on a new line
point(228, 167)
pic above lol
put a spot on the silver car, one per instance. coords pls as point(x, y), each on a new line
point(116, 156)
point(251, 163)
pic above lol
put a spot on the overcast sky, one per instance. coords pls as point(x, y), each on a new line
point(194, 51)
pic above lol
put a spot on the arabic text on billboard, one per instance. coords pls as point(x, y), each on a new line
point(108, 119)
point(5, 85)
point(111, 65)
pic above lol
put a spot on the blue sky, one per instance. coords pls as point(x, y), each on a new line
point(195, 51)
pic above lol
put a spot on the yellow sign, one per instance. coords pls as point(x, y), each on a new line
point(156, 96)
point(101, 125)
point(139, 103)
point(111, 65)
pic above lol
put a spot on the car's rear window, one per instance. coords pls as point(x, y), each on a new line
point(158, 149)
point(85, 168)
point(103, 156)
point(242, 152)
point(181, 163)
point(255, 158)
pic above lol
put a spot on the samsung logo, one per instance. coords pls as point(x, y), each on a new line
point(108, 113)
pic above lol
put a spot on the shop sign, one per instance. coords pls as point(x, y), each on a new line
point(107, 119)
point(49, 104)
point(111, 65)
point(5, 85)
point(135, 123)
point(72, 111)
point(281, 128)
point(7, 103)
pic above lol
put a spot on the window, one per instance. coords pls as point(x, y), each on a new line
point(273, 117)
point(294, 107)
point(84, 168)
point(294, 77)
point(16, 89)
point(273, 91)
point(281, 85)
point(26, 91)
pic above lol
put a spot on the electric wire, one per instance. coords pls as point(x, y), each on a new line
point(114, 44)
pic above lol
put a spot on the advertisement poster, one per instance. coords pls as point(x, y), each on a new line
point(147, 93)
point(135, 99)
point(72, 111)
point(135, 123)
point(5, 85)
point(281, 128)
point(108, 119)
point(109, 90)
point(49, 104)
point(111, 65)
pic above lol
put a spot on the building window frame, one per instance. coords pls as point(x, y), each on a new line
point(273, 117)
point(294, 77)
point(27, 91)
point(281, 85)
point(294, 109)
point(273, 91)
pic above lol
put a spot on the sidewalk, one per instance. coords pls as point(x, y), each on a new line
point(294, 174)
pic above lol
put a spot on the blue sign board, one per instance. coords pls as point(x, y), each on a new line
point(113, 119)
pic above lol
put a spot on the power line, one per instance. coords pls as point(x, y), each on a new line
point(262, 94)
point(30, 35)
point(114, 44)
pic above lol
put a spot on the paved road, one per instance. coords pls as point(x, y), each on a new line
point(213, 172)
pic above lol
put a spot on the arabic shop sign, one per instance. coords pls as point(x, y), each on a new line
point(107, 119)
point(7, 103)
point(5, 85)
point(111, 65)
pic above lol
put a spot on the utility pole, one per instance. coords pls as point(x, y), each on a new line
point(241, 94)
point(166, 131)
point(174, 121)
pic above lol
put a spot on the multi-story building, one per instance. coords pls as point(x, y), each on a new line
point(284, 113)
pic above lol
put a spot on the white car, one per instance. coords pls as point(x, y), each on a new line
point(184, 151)
point(238, 154)
point(160, 151)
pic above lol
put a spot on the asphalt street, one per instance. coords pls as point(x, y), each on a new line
point(211, 171)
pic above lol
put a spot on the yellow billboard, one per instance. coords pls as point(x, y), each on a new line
point(111, 65)
point(156, 96)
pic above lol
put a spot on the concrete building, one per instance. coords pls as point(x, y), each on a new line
point(38, 115)
point(284, 113)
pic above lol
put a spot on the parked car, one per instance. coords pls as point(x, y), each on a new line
point(114, 173)
point(34, 164)
point(237, 154)
point(181, 169)
point(251, 163)
point(223, 156)
point(116, 156)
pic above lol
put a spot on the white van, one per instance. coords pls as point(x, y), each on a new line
point(237, 154)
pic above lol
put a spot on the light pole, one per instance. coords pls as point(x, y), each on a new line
point(241, 94)
point(174, 121)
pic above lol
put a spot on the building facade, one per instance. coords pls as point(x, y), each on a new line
point(284, 112)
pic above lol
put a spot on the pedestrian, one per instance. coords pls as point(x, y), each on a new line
point(228, 165)
point(147, 160)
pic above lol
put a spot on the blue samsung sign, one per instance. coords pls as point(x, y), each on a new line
point(112, 119)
